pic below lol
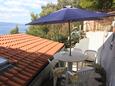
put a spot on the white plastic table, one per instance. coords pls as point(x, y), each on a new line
point(75, 57)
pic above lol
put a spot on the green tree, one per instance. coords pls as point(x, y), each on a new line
point(113, 4)
point(37, 30)
point(15, 30)
point(34, 16)
point(104, 4)
point(49, 8)
point(89, 4)
point(101, 5)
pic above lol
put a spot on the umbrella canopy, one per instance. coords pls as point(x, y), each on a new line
point(67, 15)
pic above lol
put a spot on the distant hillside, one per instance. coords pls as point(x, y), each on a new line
point(5, 27)
point(6, 23)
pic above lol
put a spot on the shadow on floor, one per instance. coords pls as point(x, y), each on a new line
point(49, 82)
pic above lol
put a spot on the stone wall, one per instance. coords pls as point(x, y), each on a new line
point(99, 25)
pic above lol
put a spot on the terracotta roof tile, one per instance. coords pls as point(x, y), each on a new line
point(9, 75)
point(28, 54)
point(3, 78)
point(12, 83)
point(23, 77)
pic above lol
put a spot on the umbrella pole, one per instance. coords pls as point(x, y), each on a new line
point(70, 63)
point(69, 37)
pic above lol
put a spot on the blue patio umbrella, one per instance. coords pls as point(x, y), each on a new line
point(68, 15)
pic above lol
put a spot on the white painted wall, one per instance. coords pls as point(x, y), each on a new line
point(83, 44)
point(96, 39)
point(93, 41)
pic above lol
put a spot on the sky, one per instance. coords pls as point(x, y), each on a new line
point(18, 11)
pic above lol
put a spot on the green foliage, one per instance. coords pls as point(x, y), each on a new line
point(76, 35)
point(89, 4)
point(40, 31)
point(15, 30)
point(34, 16)
point(101, 5)
point(104, 4)
point(54, 32)
point(49, 8)
point(113, 5)
point(63, 3)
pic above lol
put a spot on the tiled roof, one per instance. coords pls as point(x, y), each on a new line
point(28, 54)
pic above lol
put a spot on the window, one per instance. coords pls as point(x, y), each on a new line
point(4, 64)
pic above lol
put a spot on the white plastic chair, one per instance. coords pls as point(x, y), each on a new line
point(80, 78)
point(56, 72)
point(90, 55)
point(77, 50)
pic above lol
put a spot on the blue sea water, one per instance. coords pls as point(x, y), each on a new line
point(5, 28)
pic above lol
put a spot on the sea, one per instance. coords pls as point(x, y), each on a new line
point(5, 28)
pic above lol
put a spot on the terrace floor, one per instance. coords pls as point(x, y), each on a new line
point(92, 81)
